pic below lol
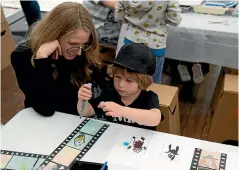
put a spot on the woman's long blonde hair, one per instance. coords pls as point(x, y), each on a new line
point(62, 20)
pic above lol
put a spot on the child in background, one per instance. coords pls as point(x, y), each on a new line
point(147, 24)
point(128, 103)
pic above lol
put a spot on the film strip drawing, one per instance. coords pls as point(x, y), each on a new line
point(205, 160)
point(76, 145)
point(21, 160)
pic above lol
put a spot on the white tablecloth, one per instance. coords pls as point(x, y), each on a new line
point(29, 132)
point(197, 40)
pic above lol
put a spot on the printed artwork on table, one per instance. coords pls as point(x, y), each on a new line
point(131, 150)
point(65, 156)
point(21, 160)
point(171, 152)
point(79, 141)
point(206, 160)
point(137, 144)
point(76, 145)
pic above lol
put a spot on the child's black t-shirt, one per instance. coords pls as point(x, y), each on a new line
point(146, 100)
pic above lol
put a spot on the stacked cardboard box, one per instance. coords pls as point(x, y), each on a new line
point(225, 119)
point(168, 101)
point(7, 42)
point(219, 86)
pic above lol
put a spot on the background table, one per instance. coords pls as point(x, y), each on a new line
point(196, 40)
point(29, 132)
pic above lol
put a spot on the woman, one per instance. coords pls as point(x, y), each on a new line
point(57, 59)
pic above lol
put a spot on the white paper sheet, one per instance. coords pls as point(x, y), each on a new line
point(190, 2)
point(137, 150)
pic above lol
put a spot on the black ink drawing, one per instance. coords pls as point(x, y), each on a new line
point(138, 145)
point(172, 152)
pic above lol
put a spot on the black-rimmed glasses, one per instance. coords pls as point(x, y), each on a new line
point(75, 49)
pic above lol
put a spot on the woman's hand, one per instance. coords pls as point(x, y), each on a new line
point(49, 48)
point(84, 92)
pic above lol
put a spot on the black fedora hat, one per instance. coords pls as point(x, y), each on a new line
point(135, 57)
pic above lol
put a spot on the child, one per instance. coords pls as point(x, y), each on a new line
point(129, 103)
point(147, 24)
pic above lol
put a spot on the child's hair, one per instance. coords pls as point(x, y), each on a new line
point(143, 80)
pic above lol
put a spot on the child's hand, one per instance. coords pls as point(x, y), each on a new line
point(84, 92)
point(111, 109)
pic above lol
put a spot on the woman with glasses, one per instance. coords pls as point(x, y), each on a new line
point(59, 55)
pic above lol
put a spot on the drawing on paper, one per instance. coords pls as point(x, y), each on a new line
point(20, 160)
point(80, 139)
point(77, 144)
point(74, 147)
point(172, 152)
point(208, 160)
point(137, 145)
point(24, 167)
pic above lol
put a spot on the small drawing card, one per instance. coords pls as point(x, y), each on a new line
point(79, 141)
point(130, 150)
point(137, 145)
point(171, 152)
point(208, 160)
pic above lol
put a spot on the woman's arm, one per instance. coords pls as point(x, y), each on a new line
point(37, 83)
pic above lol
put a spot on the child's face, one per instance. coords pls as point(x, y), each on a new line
point(124, 83)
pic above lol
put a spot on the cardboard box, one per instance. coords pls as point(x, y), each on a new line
point(168, 100)
point(219, 86)
point(225, 119)
point(7, 42)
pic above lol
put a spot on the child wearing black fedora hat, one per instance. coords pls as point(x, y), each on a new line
point(128, 103)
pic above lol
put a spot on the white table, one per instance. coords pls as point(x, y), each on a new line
point(29, 132)
point(196, 40)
